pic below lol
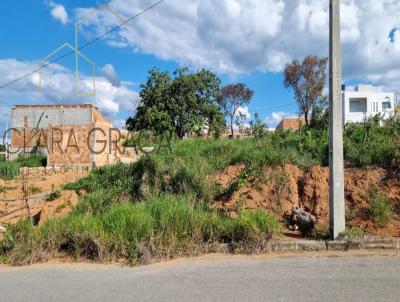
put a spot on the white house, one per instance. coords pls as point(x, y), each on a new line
point(365, 101)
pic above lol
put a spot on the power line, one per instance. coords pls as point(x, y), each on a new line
point(83, 46)
point(264, 109)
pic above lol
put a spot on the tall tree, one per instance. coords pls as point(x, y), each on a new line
point(186, 103)
point(307, 79)
point(231, 98)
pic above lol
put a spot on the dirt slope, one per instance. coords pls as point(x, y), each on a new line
point(280, 188)
point(41, 181)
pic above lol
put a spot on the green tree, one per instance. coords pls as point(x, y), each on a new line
point(185, 103)
point(307, 79)
point(258, 128)
point(231, 98)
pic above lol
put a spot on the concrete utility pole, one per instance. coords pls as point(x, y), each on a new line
point(336, 170)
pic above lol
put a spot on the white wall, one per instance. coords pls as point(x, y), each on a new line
point(374, 102)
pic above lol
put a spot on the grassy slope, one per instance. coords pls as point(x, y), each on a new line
point(157, 207)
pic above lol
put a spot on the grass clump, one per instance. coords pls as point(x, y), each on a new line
point(353, 234)
point(164, 227)
point(32, 189)
point(379, 206)
point(252, 230)
point(9, 169)
point(130, 226)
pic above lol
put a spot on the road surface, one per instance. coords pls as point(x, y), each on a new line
point(211, 278)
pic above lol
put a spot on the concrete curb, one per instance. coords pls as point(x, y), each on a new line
point(285, 246)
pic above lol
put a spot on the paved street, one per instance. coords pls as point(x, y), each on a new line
point(215, 278)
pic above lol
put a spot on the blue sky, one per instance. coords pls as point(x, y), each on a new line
point(241, 41)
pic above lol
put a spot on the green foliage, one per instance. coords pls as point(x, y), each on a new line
point(164, 226)
point(236, 184)
point(231, 97)
point(157, 206)
point(319, 118)
point(380, 208)
point(353, 234)
point(307, 80)
point(252, 229)
point(369, 143)
point(115, 176)
point(183, 104)
point(9, 169)
point(2, 148)
point(257, 128)
point(36, 160)
point(53, 195)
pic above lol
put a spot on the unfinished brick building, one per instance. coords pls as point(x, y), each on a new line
point(70, 135)
point(291, 123)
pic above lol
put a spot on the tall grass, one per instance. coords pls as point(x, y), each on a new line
point(157, 207)
point(10, 169)
point(163, 227)
point(379, 206)
point(35, 160)
point(188, 168)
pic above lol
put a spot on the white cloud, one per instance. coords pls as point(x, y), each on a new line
point(276, 117)
point(58, 12)
point(111, 75)
point(58, 85)
point(239, 36)
point(243, 112)
point(119, 123)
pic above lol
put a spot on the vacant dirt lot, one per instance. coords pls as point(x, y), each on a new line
point(40, 182)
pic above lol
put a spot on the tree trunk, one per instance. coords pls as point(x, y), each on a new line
point(306, 119)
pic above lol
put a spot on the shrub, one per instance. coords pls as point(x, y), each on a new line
point(353, 234)
point(53, 195)
point(379, 206)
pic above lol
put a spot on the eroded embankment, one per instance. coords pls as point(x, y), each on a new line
point(278, 189)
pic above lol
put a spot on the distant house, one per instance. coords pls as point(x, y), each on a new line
point(397, 110)
point(291, 123)
point(366, 101)
point(69, 135)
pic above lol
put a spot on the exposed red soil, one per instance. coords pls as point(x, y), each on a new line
point(44, 181)
point(281, 188)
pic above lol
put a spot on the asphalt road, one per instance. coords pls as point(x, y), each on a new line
point(216, 278)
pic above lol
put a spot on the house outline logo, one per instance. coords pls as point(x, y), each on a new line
point(78, 54)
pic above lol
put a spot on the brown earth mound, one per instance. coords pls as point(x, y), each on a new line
point(279, 189)
point(41, 182)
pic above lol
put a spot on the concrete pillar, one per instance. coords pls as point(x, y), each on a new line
point(336, 170)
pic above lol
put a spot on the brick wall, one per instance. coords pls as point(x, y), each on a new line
point(291, 123)
point(70, 145)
